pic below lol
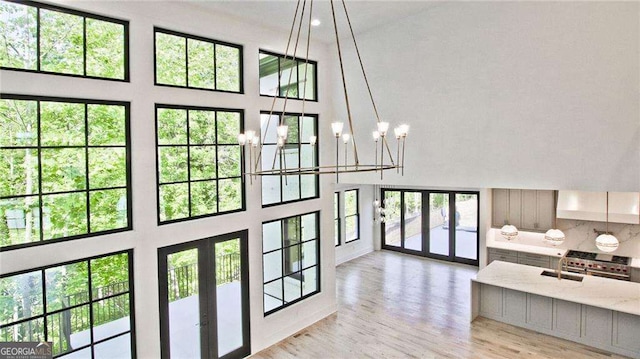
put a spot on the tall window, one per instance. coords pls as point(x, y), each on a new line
point(65, 166)
point(199, 162)
point(184, 60)
point(282, 76)
point(83, 307)
point(291, 256)
point(297, 151)
point(336, 218)
point(50, 39)
point(351, 215)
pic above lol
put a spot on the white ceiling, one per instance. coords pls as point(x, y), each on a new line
point(278, 14)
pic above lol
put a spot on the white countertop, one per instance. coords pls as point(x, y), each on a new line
point(605, 293)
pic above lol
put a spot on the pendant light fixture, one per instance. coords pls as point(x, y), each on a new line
point(509, 231)
point(555, 237)
point(351, 156)
point(607, 242)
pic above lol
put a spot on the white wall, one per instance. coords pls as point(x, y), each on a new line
point(147, 236)
point(506, 94)
point(369, 230)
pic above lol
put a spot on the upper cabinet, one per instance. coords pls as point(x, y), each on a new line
point(623, 207)
point(530, 210)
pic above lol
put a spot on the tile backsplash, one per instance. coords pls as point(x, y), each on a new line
point(580, 236)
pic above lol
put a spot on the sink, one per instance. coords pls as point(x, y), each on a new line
point(549, 273)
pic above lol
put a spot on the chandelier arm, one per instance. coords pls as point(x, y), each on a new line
point(273, 103)
point(364, 74)
point(295, 51)
point(385, 143)
point(344, 84)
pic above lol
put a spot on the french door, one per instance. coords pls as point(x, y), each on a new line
point(204, 298)
point(435, 224)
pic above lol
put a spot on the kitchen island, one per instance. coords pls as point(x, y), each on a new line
point(599, 312)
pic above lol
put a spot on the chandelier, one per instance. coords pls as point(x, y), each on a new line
point(351, 163)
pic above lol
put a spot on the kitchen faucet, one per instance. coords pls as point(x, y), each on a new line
point(561, 262)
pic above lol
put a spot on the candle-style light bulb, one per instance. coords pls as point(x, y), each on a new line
point(249, 134)
point(255, 141)
point(404, 130)
point(345, 138)
point(313, 140)
point(397, 132)
point(376, 135)
point(336, 127)
point(383, 127)
point(282, 131)
point(242, 139)
point(280, 142)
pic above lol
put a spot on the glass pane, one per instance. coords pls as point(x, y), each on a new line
point(29, 331)
point(69, 329)
point(204, 199)
point(268, 75)
point(291, 228)
point(202, 162)
point(270, 188)
point(63, 169)
point(172, 127)
point(67, 286)
point(336, 232)
point(271, 236)
point(202, 127)
point(392, 218)
point(80, 354)
point(292, 287)
point(309, 254)
point(290, 187)
point(228, 127)
point(105, 49)
point(184, 304)
point(111, 317)
point(229, 161)
point(108, 209)
point(309, 227)
point(307, 156)
point(227, 68)
point(350, 202)
point(268, 125)
point(109, 275)
point(272, 265)
point(308, 185)
point(20, 172)
point(65, 215)
point(467, 226)
point(172, 164)
point(18, 26)
point(293, 132)
point(21, 216)
point(62, 124)
point(351, 228)
point(61, 42)
point(171, 60)
point(230, 193)
point(413, 220)
point(228, 295)
point(292, 259)
point(107, 167)
point(21, 298)
point(439, 223)
point(174, 201)
point(289, 78)
point(201, 67)
point(310, 280)
point(19, 121)
point(308, 83)
point(119, 347)
point(273, 295)
point(106, 125)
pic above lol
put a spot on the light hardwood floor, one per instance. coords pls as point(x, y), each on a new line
point(392, 305)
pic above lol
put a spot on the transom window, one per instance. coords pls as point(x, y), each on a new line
point(290, 77)
point(199, 162)
point(351, 215)
point(291, 257)
point(66, 172)
point(50, 39)
point(83, 307)
point(184, 60)
point(298, 151)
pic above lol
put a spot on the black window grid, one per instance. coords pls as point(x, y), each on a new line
point(87, 190)
point(336, 219)
point(299, 272)
point(189, 180)
point(299, 61)
point(356, 214)
point(298, 145)
point(215, 43)
point(89, 302)
point(85, 16)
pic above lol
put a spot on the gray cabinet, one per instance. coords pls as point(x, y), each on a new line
point(597, 325)
point(626, 331)
point(530, 259)
point(566, 318)
point(514, 301)
point(635, 275)
point(539, 313)
point(502, 255)
point(528, 210)
point(491, 301)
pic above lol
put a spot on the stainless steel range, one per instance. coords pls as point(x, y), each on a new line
point(598, 264)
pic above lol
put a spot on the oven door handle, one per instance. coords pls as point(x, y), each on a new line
point(608, 274)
